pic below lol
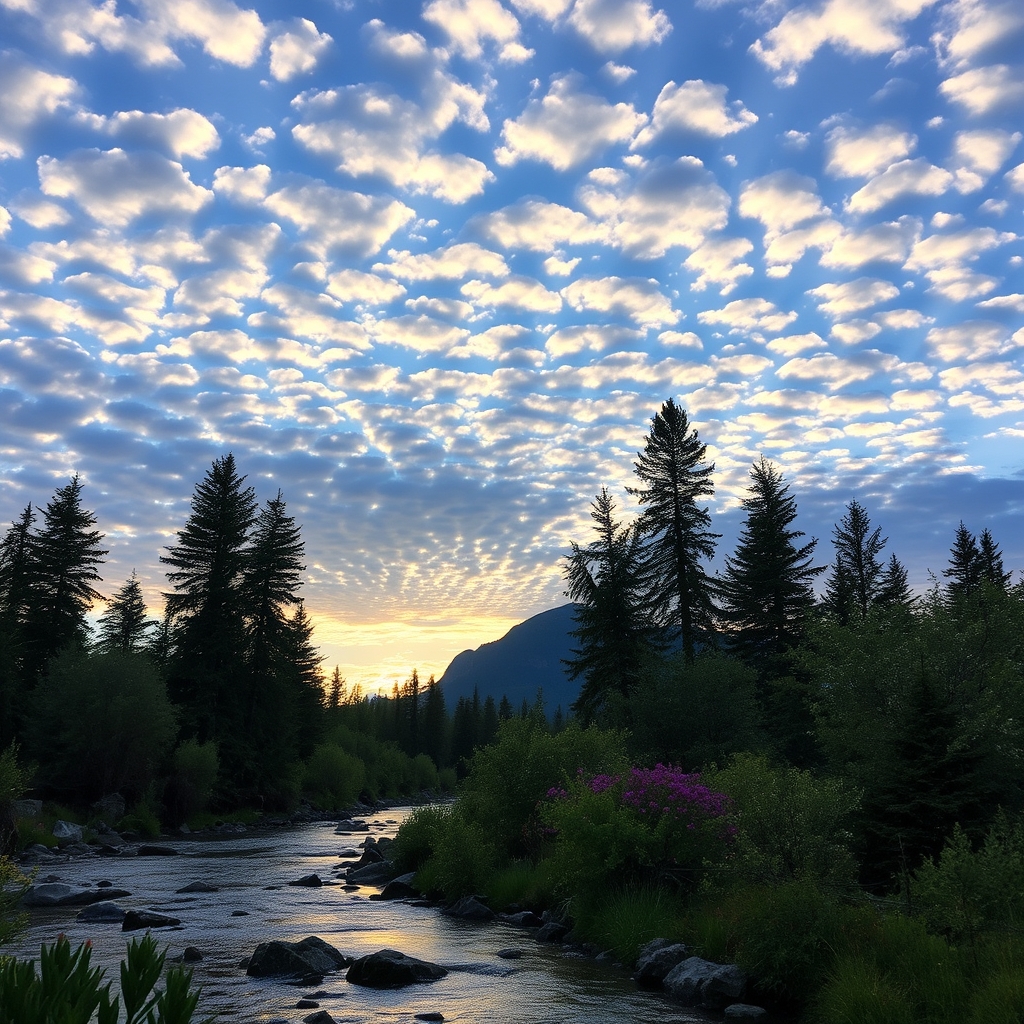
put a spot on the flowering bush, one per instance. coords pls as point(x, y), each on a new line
point(636, 826)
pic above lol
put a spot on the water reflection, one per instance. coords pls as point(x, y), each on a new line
point(544, 986)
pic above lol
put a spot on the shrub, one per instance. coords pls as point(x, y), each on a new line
point(858, 993)
point(13, 885)
point(628, 919)
point(417, 837)
point(463, 858)
point(424, 773)
point(13, 782)
point(195, 773)
point(1000, 1000)
point(333, 778)
point(522, 883)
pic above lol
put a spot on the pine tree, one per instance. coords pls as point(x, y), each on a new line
point(856, 573)
point(337, 694)
point(435, 724)
point(16, 558)
point(611, 628)
point(992, 562)
point(489, 722)
point(124, 627)
point(674, 475)
point(894, 586)
point(965, 565)
point(505, 711)
point(767, 587)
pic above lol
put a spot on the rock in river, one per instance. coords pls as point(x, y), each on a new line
point(57, 894)
point(197, 887)
point(313, 881)
point(470, 909)
point(388, 968)
point(697, 982)
point(310, 956)
point(136, 919)
point(656, 959)
point(102, 913)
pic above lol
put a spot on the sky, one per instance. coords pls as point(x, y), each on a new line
point(431, 267)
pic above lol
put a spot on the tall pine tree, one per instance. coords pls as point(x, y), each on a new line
point(124, 628)
point(965, 565)
point(992, 562)
point(674, 476)
point(854, 581)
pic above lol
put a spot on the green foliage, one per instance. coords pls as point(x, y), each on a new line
point(68, 990)
point(103, 724)
point(791, 825)
point(417, 836)
point(464, 856)
point(522, 883)
point(141, 819)
point(124, 627)
point(14, 777)
point(628, 918)
point(1000, 1000)
point(196, 766)
point(13, 885)
point(858, 993)
point(333, 779)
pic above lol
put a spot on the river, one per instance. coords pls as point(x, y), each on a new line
point(254, 903)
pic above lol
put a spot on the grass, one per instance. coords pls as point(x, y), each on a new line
point(628, 919)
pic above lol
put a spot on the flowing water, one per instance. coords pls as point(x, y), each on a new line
point(254, 903)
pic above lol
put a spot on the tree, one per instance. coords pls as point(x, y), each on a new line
point(124, 626)
point(674, 476)
point(15, 585)
point(435, 724)
point(337, 694)
point(856, 573)
point(767, 587)
point(992, 563)
point(894, 586)
point(604, 581)
point(965, 565)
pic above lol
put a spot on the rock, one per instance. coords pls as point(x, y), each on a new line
point(67, 832)
point(400, 888)
point(191, 955)
point(76, 849)
point(105, 912)
point(49, 894)
point(239, 913)
point(110, 807)
point(83, 897)
point(310, 956)
point(745, 1011)
point(148, 850)
point(388, 968)
point(351, 825)
point(552, 932)
point(198, 887)
point(430, 1015)
point(654, 963)
point(510, 954)
point(104, 883)
point(697, 982)
point(524, 919)
point(136, 919)
point(27, 808)
point(307, 1004)
point(470, 908)
point(313, 881)
point(372, 874)
point(320, 1017)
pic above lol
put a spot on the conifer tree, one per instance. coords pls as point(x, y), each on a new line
point(16, 556)
point(435, 724)
point(856, 573)
point(965, 565)
point(124, 627)
point(337, 694)
point(674, 476)
point(505, 711)
point(767, 587)
point(489, 721)
point(894, 586)
point(992, 562)
point(612, 632)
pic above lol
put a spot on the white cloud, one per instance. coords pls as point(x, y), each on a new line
point(538, 225)
point(259, 138)
point(888, 242)
point(853, 332)
point(117, 187)
point(500, 343)
point(907, 177)
point(180, 133)
point(859, 27)
point(793, 344)
point(681, 339)
point(591, 338)
point(670, 204)
point(30, 95)
point(519, 291)
point(357, 286)
point(973, 339)
point(1014, 302)
point(1015, 178)
point(942, 257)
point(549, 10)
point(694, 106)
point(242, 184)
point(982, 90)
point(566, 127)
point(984, 151)
point(38, 212)
point(637, 298)
point(421, 333)
point(902, 319)
point(334, 220)
point(748, 315)
point(836, 372)
point(1000, 378)
point(618, 73)
point(468, 23)
point(853, 153)
point(781, 200)
point(717, 262)
point(371, 131)
point(558, 267)
point(449, 263)
point(298, 51)
point(614, 25)
point(5, 221)
point(841, 299)
point(972, 27)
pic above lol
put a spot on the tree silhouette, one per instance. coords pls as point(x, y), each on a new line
point(965, 565)
point(124, 627)
point(856, 573)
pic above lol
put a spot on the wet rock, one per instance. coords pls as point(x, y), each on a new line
point(191, 955)
point(697, 982)
point(310, 956)
point(136, 919)
point(470, 908)
point(524, 919)
point(307, 1004)
point(198, 887)
point(104, 912)
point(656, 960)
point(400, 888)
point(320, 1017)
point(351, 825)
point(239, 913)
point(430, 1015)
point(372, 874)
point(78, 849)
point(57, 894)
point(313, 881)
point(67, 832)
point(552, 932)
point(510, 954)
point(388, 968)
point(149, 850)
point(104, 884)
point(744, 1011)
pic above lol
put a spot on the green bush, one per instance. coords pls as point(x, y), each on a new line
point(858, 993)
point(195, 773)
point(522, 883)
point(424, 773)
point(333, 779)
point(417, 837)
point(447, 780)
point(1000, 1000)
point(13, 885)
point(464, 857)
point(629, 918)
point(142, 818)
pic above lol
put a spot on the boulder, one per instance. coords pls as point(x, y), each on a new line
point(191, 955)
point(388, 968)
point(149, 850)
point(105, 912)
point(84, 897)
point(372, 874)
point(110, 807)
point(320, 1017)
point(313, 881)
point(27, 808)
point(400, 888)
point(510, 954)
point(136, 919)
point(67, 832)
point(430, 1015)
point(351, 825)
point(524, 919)
point(744, 1011)
point(552, 932)
point(656, 960)
point(49, 894)
point(197, 887)
point(697, 982)
point(310, 956)
point(470, 908)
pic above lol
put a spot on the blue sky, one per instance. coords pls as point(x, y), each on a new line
point(430, 268)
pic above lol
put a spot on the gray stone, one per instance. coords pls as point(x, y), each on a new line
point(27, 808)
point(320, 1017)
point(136, 919)
point(313, 881)
point(469, 908)
point(552, 932)
point(149, 850)
point(388, 968)
point(307, 1004)
point(400, 888)
point(191, 955)
point(105, 912)
point(50, 894)
point(84, 897)
point(697, 982)
point(653, 964)
point(430, 1015)
point(67, 832)
point(372, 874)
point(745, 1011)
point(110, 807)
point(510, 954)
point(310, 956)
point(524, 919)
point(198, 887)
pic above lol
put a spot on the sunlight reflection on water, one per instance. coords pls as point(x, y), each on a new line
point(545, 986)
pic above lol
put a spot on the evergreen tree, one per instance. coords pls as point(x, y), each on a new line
point(674, 476)
point(965, 565)
point(767, 587)
point(992, 562)
point(611, 627)
point(124, 627)
point(505, 711)
point(435, 724)
point(464, 734)
point(64, 557)
point(894, 587)
point(16, 558)
point(337, 694)
point(489, 722)
point(412, 695)
point(856, 573)
point(306, 679)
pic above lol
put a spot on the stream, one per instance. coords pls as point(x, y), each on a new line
point(547, 985)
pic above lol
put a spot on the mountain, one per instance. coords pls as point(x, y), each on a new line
point(526, 657)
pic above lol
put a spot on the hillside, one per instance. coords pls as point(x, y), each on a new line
point(528, 656)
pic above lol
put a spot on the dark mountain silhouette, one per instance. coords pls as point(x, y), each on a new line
point(528, 656)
